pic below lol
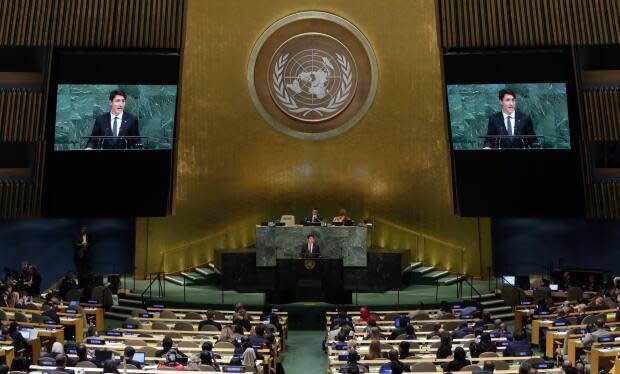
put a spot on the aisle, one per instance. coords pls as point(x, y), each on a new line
point(303, 353)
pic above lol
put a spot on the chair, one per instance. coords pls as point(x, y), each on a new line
point(421, 317)
point(20, 317)
point(424, 367)
point(574, 293)
point(451, 326)
point(270, 328)
point(428, 327)
point(133, 321)
point(193, 315)
point(218, 316)
point(208, 328)
point(158, 325)
point(143, 335)
point(488, 354)
point(603, 316)
point(386, 346)
point(435, 345)
point(391, 316)
point(167, 314)
point(470, 368)
point(136, 312)
point(37, 318)
point(289, 220)
point(85, 364)
point(75, 294)
point(174, 335)
point(206, 368)
point(470, 336)
point(224, 345)
point(135, 342)
point(501, 365)
point(3, 316)
point(590, 318)
point(147, 350)
point(129, 367)
point(185, 344)
point(534, 360)
point(183, 326)
point(103, 295)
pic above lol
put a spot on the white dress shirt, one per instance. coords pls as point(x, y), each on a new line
point(120, 121)
point(510, 131)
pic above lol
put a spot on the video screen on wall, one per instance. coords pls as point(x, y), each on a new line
point(508, 116)
point(114, 117)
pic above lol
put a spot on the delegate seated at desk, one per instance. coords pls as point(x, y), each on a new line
point(342, 217)
point(311, 248)
point(314, 218)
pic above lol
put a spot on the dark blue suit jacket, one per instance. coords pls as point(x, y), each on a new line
point(522, 126)
point(103, 127)
point(305, 252)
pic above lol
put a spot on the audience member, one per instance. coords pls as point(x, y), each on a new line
point(403, 350)
point(462, 331)
point(374, 350)
point(226, 335)
point(437, 331)
point(445, 346)
point(128, 357)
point(395, 365)
point(166, 344)
point(485, 345)
point(459, 360)
point(61, 364)
point(600, 332)
point(488, 366)
point(206, 358)
point(258, 338)
point(171, 362)
point(210, 321)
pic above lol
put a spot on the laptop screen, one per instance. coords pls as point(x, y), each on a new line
point(139, 356)
point(554, 287)
point(25, 334)
point(74, 302)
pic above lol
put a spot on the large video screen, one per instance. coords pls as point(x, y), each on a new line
point(114, 117)
point(508, 116)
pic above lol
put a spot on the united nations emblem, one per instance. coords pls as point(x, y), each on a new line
point(312, 75)
point(309, 264)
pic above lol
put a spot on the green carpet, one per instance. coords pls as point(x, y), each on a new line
point(303, 352)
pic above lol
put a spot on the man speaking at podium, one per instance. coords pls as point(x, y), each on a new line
point(116, 124)
point(511, 123)
point(310, 249)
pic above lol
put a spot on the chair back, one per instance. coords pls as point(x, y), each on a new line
point(147, 350)
point(574, 293)
point(488, 354)
point(534, 360)
point(451, 326)
point(134, 321)
point(421, 317)
point(590, 318)
point(167, 314)
point(218, 316)
point(288, 219)
point(193, 315)
point(386, 346)
point(20, 317)
point(183, 326)
point(223, 345)
point(501, 365)
point(208, 328)
point(391, 316)
point(129, 367)
point(423, 367)
point(37, 318)
point(428, 327)
point(186, 344)
point(135, 342)
point(137, 311)
point(206, 367)
point(158, 325)
point(85, 364)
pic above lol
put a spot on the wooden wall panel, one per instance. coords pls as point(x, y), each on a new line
point(500, 23)
point(20, 116)
point(25, 22)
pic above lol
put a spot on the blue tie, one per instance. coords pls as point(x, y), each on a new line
point(115, 126)
point(508, 125)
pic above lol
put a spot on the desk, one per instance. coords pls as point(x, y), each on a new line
point(319, 279)
point(280, 242)
point(602, 357)
point(8, 353)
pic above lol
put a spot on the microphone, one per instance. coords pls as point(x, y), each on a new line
point(341, 253)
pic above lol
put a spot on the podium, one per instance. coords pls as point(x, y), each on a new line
point(312, 279)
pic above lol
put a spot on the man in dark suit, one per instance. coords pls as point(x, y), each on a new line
point(210, 321)
point(508, 122)
point(311, 248)
point(314, 218)
point(117, 124)
point(128, 357)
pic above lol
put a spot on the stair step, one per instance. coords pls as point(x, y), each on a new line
point(412, 266)
point(176, 279)
point(206, 272)
point(437, 274)
point(192, 276)
point(494, 302)
point(503, 316)
point(130, 302)
point(117, 316)
point(449, 281)
point(132, 295)
point(125, 309)
point(424, 269)
point(504, 308)
point(488, 296)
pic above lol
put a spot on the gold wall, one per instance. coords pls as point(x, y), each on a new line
point(234, 170)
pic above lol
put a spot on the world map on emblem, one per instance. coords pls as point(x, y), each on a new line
point(313, 77)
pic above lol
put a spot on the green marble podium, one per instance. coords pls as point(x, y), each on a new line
point(285, 242)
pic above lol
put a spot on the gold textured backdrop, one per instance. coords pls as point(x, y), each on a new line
point(234, 170)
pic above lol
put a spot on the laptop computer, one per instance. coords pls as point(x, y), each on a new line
point(139, 356)
point(74, 302)
point(233, 369)
point(25, 334)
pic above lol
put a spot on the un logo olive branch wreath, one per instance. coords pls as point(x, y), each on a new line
point(335, 103)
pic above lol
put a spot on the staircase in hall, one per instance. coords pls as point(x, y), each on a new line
point(198, 276)
point(418, 273)
point(128, 303)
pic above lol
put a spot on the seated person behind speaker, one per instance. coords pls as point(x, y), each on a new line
point(342, 217)
point(311, 248)
point(314, 217)
point(508, 122)
point(116, 123)
point(458, 362)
